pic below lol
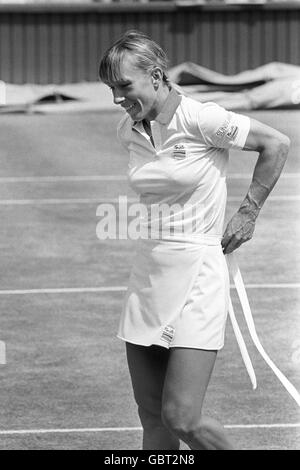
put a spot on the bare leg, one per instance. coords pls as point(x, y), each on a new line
point(187, 378)
point(147, 367)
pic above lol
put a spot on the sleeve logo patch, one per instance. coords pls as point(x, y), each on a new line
point(223, 129)
point(227, 130)
point(232, 133)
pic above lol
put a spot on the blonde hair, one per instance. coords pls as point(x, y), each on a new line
point(148, 54)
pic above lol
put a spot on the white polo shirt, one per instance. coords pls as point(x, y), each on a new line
point(185, 170)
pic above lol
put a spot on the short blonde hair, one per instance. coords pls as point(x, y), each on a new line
point(148, 54)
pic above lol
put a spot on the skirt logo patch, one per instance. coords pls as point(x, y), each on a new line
point(168, 334)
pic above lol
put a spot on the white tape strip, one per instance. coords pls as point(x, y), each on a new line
point(242, 346)
point(239, 284)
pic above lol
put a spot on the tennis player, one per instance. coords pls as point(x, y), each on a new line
point(175, 310)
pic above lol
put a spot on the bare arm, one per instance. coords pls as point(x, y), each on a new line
point(273, 147)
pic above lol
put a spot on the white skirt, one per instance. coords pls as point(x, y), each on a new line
point(178, 295)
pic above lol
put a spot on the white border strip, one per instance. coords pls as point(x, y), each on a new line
point(10, 432)
point(79, 178)
point(40, 202)
point(82, 290)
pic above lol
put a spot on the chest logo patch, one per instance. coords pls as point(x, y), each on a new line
point(179, 152)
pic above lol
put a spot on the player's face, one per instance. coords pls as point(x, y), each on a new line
point(136, 92)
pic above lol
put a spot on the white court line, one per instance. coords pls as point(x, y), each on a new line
point(54, 179)
point(67, 290)
point(269, 426)
point(67, 431)
point(280, 285)
point(39, 202)
point(24, 202)
point(270, 198)
point(245, 176)
point(127, 429)
point(80, 290)
point(78, 178)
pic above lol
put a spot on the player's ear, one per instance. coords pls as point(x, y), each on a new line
point(157, 76)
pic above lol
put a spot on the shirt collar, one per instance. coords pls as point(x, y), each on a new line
point(170, 105)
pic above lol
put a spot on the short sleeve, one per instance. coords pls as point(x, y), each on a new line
point(221, 128)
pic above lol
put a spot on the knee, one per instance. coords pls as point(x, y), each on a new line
point(181, 420)
point(150, 414)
